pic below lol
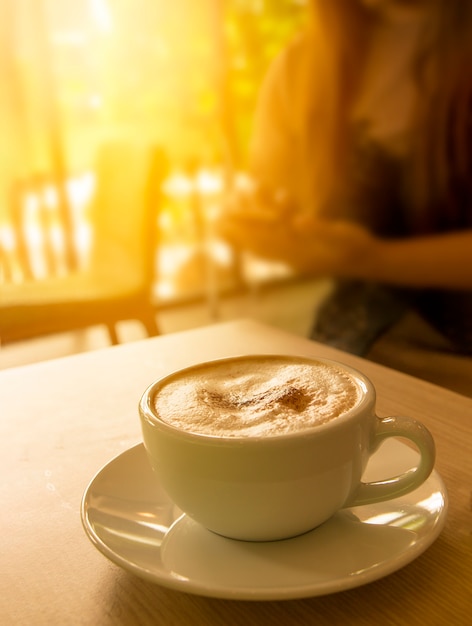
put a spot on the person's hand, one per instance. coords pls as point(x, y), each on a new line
point(258, 220)
point(335, 248)
point(269, 225)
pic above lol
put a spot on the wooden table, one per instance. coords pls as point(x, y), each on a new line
point(62, 420)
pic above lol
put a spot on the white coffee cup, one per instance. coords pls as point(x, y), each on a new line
point(262, 487)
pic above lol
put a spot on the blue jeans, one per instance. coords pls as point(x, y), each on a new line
point(356, 314)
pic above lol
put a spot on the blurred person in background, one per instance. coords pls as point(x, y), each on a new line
point(361, 162)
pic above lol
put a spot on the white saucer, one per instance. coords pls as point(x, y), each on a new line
point(131, 521)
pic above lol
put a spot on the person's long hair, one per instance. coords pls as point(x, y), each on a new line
point(441, 149)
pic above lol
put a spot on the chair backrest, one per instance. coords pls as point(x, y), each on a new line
point(122, 213)
point(125, 206)
point(36, 234)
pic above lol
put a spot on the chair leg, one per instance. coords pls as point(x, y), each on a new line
point(150, 324)
point(112, 334)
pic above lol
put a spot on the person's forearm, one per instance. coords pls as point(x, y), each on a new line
point(443, 261)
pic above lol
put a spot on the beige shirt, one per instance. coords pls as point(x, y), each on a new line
point(388, 92)
point(278, 151)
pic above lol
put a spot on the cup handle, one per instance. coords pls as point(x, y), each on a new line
point(402, 484)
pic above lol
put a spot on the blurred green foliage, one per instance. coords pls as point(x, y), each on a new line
point(254, 31)
point(184, 74)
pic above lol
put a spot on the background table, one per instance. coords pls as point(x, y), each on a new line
point(62, 420)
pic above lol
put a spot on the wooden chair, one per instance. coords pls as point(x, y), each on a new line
point(116, 283)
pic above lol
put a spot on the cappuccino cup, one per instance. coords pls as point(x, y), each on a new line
point(267, 447)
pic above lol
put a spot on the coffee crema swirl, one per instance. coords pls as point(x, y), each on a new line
point(290, 397)
point(252, 397)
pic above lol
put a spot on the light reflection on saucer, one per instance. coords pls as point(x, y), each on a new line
point(130, 519)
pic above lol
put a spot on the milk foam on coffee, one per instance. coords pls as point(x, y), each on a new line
point(256, 397)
